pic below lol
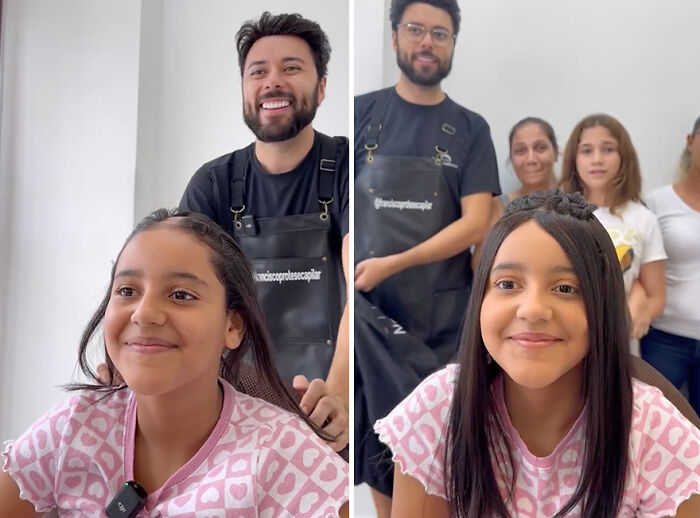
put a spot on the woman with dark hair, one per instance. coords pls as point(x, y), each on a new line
point(533, 153)
point(180, 315)
point(673, 343)
point(540, 416)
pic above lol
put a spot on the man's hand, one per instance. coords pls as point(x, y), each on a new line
point(372, 271)
point(324, 409)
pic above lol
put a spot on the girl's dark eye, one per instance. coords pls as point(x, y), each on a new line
point(182, 295)
point(567, 289)
point(505, 284)
point(125, 291)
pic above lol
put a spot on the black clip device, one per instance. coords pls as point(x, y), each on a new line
point(128, 502)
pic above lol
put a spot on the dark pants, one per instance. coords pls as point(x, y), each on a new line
point(677, 358)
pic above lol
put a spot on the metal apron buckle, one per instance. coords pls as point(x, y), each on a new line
point(325, 204)
point(439, 155)
point(237, 217)
point(369, 149)
point(327, 165)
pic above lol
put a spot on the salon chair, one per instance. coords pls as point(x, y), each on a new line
point(649, 375)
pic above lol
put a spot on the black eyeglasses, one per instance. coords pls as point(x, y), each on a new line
point(416, 32)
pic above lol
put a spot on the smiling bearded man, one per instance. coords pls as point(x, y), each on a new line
point(284, 199)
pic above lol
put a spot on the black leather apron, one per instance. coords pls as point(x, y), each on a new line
point(408, 325)
point(389, 364)
point(399, 203)
point(300, 281)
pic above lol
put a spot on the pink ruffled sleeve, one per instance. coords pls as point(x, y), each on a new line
point(299, 475)
point(31, 460)
point(415, 430)
point(667, 460)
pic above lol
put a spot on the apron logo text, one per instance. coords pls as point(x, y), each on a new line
point(280, 277)
point(380, 203)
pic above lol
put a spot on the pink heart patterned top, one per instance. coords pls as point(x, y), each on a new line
point(259, 461)
point(664, 450)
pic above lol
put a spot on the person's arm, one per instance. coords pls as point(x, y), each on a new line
point(411, 501)
point(11, 506)
point(456, 237)
point(344, 511)
point(338, 375)
point(647, 297)
point(688, 509)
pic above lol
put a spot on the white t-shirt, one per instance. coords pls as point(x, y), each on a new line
point(680, 228)
point(636, 235)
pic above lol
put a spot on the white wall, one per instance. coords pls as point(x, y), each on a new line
point(190, 81)
point(68, 150)
point(561, 61)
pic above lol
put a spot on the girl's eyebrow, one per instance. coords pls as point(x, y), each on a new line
point(171, 275)
point(614, 142)
point(519, 267)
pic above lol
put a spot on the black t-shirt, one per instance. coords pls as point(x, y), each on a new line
point(271, 195)
point(413, 130)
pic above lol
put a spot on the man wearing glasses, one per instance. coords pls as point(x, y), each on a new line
point(425, 172)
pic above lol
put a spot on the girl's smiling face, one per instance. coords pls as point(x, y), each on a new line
point(166, 323)
point(533, 318)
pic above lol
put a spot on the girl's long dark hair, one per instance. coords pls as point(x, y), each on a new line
point(233, 270)
point(475, 434)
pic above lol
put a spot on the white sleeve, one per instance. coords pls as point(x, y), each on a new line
point(653, 240)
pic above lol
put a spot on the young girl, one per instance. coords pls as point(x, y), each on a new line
point(533, 153)
point(601, 163)
point(540, 417)
point(180, 315)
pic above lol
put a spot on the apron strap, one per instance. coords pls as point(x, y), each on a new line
point(327, 168)
point(237, 185)
point(375, 124)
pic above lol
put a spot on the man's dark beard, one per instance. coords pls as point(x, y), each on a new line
point(280, 131)
point(441, 72)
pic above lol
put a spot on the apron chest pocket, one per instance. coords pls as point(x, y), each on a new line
point(293, 293)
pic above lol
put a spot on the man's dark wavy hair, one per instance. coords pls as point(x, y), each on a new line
point(285, 25)
point(474, 439)
point(399, 6)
